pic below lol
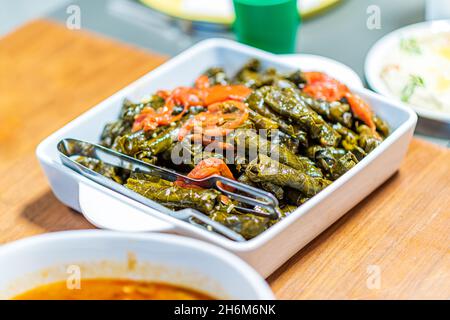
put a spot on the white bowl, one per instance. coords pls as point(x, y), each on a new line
point(266, 252)
point(27, 263)
point(376, 58)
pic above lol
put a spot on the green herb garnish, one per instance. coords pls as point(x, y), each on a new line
point(414, 82)
point(410, 45)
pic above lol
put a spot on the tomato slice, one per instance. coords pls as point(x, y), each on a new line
point(321, 86)
point(149, 119)
point(207, 168)
point(219, 120)
point(361, 109)
point(202, 82)
point(200, 95)
point(221, 93)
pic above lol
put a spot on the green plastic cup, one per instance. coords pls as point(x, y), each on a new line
point(267, 24)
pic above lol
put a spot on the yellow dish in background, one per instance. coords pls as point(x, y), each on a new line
point(221, 11)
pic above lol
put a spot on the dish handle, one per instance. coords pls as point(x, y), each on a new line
point(107, 212)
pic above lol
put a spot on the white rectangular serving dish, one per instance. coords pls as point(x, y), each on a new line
point(266, 252)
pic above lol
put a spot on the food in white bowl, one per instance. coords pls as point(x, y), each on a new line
point(86, 264)
point(267, 251)
point(112, 289)
point(224, 124)
point(412, 65)
point(417, 71)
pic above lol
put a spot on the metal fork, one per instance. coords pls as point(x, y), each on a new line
point(68, 148)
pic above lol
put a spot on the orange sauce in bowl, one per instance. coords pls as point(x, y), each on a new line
point(112, 289)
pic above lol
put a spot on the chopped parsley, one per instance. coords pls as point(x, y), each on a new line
point(410, 45)
point(414, 82)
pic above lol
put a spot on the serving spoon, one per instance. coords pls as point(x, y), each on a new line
point(72, 148)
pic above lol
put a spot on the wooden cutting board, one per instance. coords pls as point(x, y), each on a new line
point(394, 244)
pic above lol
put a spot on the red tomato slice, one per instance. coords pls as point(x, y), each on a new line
point(201, 95)
point(207, 168)
point(361, 109)
point(202, 82)
point(221, 93)
point(220, 119)
point(321, 86)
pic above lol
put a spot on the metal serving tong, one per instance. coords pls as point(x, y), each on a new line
point(70, 148)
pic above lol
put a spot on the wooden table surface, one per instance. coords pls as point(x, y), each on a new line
point(394, 244)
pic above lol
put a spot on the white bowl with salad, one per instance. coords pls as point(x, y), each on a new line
point(412, 64)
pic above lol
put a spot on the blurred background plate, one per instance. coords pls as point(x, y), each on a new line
point(375, 62)
point(221, 11)
point(433, 125)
